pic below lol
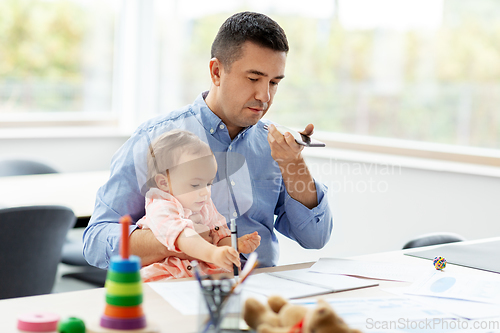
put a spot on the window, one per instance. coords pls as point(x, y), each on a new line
point(56, 56)
point(424, 70)
point(421, 70)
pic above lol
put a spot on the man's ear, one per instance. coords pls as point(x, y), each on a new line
point(215, 71)
point(162, 183)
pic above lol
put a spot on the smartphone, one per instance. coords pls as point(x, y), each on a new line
point(300, 138)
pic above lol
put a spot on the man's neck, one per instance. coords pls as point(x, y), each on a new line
point(210, 100)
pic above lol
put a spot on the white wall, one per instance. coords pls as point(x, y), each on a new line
point(376, 206)
point(405, 202)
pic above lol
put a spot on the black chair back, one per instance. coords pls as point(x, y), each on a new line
point(19, 167)
point(31, 240)
point(435, 238)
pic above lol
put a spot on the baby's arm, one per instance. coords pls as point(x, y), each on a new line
point(246, 244)
point(193, 245)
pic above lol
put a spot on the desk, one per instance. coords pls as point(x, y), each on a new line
point(75, 190)
point(89, 304)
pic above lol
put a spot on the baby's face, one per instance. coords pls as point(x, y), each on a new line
point(192, 179)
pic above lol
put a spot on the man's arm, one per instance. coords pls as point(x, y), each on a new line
point(302, 209)
point(121, 195)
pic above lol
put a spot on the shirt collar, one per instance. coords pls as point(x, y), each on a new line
point(209, 119)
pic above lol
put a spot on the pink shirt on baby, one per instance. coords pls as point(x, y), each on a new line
point(166, 218)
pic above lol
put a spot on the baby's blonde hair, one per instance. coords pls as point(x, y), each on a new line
point(166, 150)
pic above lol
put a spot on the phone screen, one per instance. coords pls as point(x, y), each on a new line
point(311, 142)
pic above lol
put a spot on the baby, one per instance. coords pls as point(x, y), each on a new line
point(181, 169)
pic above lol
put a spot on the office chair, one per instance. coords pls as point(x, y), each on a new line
point(433, 239)
point(31, 241)
point(72, 250)
point(72, 254)
point(20, 167)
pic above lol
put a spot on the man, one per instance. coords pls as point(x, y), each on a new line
point(260, 173)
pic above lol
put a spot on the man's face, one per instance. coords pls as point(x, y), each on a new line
point(247, 90)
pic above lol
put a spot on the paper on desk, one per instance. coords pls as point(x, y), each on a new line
point(370, 269)
point(458, 286)
point(302, 283)
point(185, 296)
point(461, 308)
point(360, 312)
point(334, 283)
point(267, 285)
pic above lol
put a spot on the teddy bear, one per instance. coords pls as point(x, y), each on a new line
point(279, 316)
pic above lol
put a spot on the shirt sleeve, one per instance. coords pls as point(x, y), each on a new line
point(311, 228)
point(121, 195)
point(166, 221)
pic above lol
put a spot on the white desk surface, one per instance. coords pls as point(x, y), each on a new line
point(75, 190)
point(89, 304)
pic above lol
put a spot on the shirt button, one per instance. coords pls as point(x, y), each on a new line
point(211, 130)
point(230, 148)
point(233, 183)
point(189, 267)
point(216, 228)
point(235, 214)
point(221, 126)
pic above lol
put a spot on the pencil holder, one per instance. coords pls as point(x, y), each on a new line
point(219, 307)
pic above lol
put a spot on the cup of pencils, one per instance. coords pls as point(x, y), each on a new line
point(219, 306)
point(220, 301)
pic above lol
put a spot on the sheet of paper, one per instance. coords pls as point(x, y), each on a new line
point(185, 296)
point(267, 285)
point(370, 269)
point(459, 286)
point(335, 283)
point(462, 308)
point(367, 314)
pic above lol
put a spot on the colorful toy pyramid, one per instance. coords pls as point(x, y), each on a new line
point(123, 309)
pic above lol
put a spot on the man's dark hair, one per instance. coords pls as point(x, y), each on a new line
point(243, 27)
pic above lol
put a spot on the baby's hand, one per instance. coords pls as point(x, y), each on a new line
point(248, 243)
point(225, 257)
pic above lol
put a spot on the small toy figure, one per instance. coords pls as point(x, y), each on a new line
point(439, 263)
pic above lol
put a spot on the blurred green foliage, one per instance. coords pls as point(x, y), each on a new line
point(445, 88)
point(41, 39)
point(448, 90)
point(41, 51)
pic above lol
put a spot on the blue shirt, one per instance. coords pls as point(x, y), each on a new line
point(248, 187)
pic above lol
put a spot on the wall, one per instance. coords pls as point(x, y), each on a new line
point(376, 206)
point(379, 207)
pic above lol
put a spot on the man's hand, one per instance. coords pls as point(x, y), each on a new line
point(225, 257)
point(284, 149)
point(296, 176)
point(248, 243)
